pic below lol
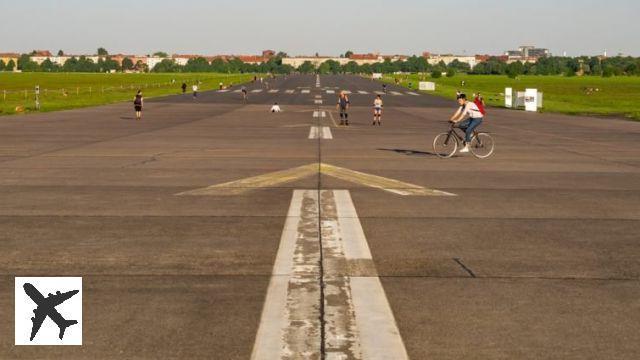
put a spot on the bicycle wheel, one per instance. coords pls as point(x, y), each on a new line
point(482, 146)
point(445, 145)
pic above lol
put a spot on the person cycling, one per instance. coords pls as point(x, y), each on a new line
point(377, 110)
point(467, 117)
point(244, 93)
point(343, 107)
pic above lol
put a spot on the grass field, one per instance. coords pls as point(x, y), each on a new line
point(60, 91)
point(616, 96)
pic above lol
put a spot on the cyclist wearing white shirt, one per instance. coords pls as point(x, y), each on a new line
point(468, 117)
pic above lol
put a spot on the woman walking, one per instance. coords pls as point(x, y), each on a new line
point(138, 102)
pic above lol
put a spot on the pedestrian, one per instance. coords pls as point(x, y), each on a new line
point(343, 108)
point(377, 110)
point(221, 85)
point(195, 90)
point(138, 102)
point(184, 87)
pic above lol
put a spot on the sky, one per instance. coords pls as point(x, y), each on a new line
point(328, 27)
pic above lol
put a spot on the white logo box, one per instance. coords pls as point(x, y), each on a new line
point(49, 332)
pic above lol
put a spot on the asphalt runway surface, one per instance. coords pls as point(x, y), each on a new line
point(193, 225)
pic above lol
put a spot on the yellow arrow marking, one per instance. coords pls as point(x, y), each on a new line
point(262, 181)
point(379, 182)
point(286, 176)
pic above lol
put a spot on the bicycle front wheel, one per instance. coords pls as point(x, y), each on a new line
point(445, 145)
point(482, 146)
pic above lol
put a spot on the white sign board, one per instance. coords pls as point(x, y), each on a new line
point(508, 97)
point(427, 86)
point(377, 76)
point(531, 100)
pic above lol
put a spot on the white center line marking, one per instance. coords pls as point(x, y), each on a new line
point(396, 93)
point(363, 92)
point(359, 322)
point(305, 91)
point(412, 93)
point(320, 132)
point(289, 91)
point(318, 102)
point(331, 91)
point(256, 91)
point(223, 91)
point(274, 91)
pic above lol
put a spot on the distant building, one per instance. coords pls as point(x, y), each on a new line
point(315, 60)
point(268, 54)
point(252, 59)
point(435, 59)
point(526, 54)
point(362, 59)
point(7, 57)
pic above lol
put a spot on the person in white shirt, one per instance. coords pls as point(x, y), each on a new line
point(377, 110)
point(468, 117)
point(195, 90)
point(276, 108)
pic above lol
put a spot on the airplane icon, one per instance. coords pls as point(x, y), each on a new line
point(47, 307)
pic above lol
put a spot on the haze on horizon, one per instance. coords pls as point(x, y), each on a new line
point(328, 27)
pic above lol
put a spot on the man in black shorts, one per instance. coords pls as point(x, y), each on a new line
point(343, 107)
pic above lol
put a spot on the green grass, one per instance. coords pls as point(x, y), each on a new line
point(617, 96)
point(84, 90)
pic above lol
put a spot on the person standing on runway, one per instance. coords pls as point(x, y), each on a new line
point(184, 88)
point(138, 102)
point(377, 110)
point(195, 91)
point(343, 108)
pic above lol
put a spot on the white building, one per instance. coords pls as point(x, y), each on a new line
point(448, 59)
point(152, 61)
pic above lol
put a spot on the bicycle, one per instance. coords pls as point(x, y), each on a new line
point(446, 144)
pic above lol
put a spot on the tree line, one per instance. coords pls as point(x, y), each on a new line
point(595, 66)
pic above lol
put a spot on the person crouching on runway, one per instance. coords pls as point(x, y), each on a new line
point(343, 107)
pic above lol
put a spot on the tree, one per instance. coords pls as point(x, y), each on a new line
point(102, 51)
point(142, 67)
point(25, 64)
point(127, 64)
point(198, 64)
point(166, 66)
point(2, 65)
point(451, 72)
point(514, 69)
point(161, 54)
point(307, 67)
point(607, 71)
point(324, 68)
point(11, 65)
point(436, 73)
point(48, 66)
point(348, 54)
point(60, 53)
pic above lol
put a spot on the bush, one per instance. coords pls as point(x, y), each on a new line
point(436, 74)
point(451, 72)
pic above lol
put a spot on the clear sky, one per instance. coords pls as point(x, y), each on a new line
point(326, 26)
